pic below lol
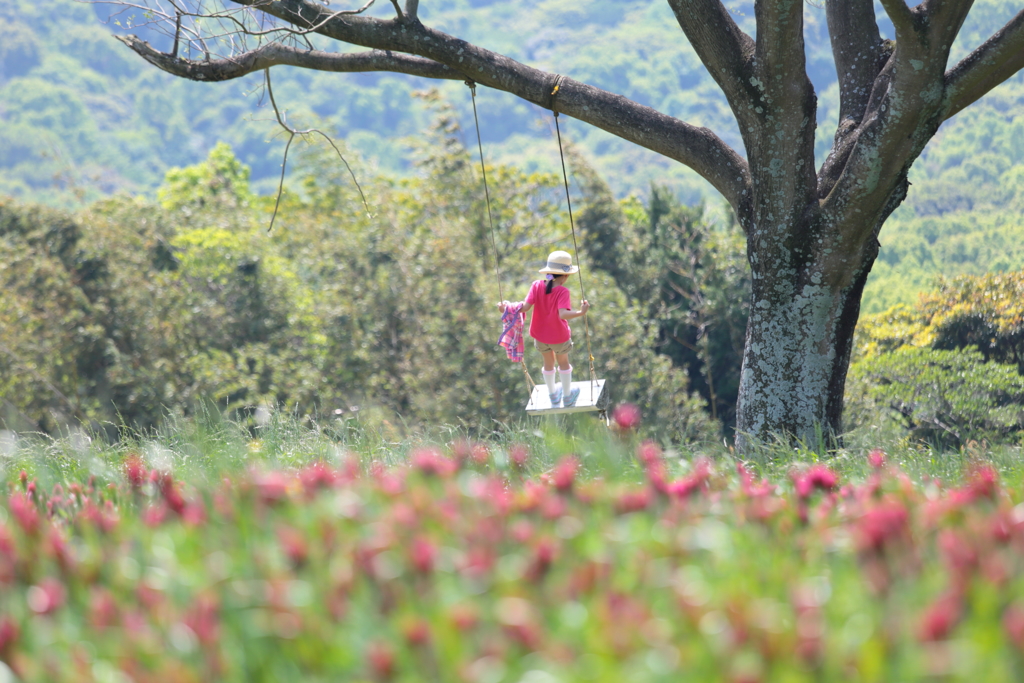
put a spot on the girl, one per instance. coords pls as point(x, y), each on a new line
point(549, 327)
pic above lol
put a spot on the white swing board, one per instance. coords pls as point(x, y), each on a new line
point(591, 398)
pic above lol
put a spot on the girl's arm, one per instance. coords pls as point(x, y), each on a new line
point(568, 314)
point(503, 304)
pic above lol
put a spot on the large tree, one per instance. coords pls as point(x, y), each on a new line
point(811, 233)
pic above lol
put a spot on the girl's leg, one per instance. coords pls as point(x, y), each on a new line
point(565, 372)
point(549, 370)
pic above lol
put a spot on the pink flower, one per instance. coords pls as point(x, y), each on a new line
point(480, 454)
point(564, 473)
point(633, 501)
point(154, 515)
point(881, 524)
point(940, 618)
point(876, 458)
point(204, 620)
point(464, 617)
point(749, 487)
point(657, 477)
point(60, 550)
point(294, 545)
point(430, 461)
point(816, 477)
point(422, 554)
point(960, 554)
point(9, 633)
point(103, 611)
point(518, 455)
point(105, 519)
point(521, 531)
point(543, 557)
point(648, 453)
point(47, 596)
point(381, 658)
point(25, 512)
point(317, 476)
point(272, 486)
point(1013, 624)
point(171, 495)
point(135, 471)
point(688, 485)
point(417, 632)
point(194, 513)
point(626, 416)
point(983, 482)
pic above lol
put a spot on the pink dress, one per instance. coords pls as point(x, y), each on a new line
point(545, 325)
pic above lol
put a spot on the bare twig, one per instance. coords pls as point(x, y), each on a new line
point(292, 132)
point(177, 34)
point(398, 10)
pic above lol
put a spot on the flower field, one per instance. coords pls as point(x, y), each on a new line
point(473, 562)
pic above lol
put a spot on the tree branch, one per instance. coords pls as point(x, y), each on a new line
point(726, 51)
point(698, 148)
point(902, 18)
point(995, 60)
point(860, 55)
point(785, 134)
point(856, 48)
point(412, 8)
point(275, 54)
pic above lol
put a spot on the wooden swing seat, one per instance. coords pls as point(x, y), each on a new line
point(592, 398)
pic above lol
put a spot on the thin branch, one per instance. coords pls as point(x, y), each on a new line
point(412, 8)
point(292, 132)
point(177, 34)
point(275, 54)
point(398, 10)
point(994, 61)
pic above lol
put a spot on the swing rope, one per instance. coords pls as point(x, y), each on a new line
point(572, 226)
point(490, 220)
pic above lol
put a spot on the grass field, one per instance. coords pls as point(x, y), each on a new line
point(552, 551)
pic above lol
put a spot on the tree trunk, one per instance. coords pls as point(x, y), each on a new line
point(798, 344)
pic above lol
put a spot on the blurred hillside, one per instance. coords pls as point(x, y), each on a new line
point(81, 117)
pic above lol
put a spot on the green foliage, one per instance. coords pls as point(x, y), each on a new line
point(389, 314)
point(948, 397)
point(951, 367)
point(222, 178)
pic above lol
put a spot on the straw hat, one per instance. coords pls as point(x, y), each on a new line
point(559, 263)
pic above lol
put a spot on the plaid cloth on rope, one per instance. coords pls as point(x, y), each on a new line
point(512, 334)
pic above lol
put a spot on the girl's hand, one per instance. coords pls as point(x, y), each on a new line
point(584, 306)
point(502, 304)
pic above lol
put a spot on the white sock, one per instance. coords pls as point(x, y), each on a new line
point(566, 376)
point(549, 379)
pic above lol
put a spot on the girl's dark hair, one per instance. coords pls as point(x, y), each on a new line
point(551, 283)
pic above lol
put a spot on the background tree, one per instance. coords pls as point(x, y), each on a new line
point(811, 234)
point(950, 367)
